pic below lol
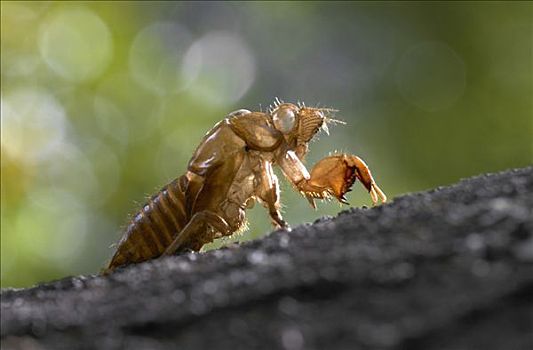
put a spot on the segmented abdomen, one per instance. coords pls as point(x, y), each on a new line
point(153, 228)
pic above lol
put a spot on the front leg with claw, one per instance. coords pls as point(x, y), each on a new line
point(337, 173)
point(332, 176)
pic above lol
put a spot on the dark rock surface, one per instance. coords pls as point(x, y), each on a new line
point(450, 268)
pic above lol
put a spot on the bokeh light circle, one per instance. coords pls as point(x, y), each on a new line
point(431, 76)
point(111, 120)
point(156, 56)
point(60, 214)
point(96, 165)
point(33, 124)
point(76, 44)
point(222, 66)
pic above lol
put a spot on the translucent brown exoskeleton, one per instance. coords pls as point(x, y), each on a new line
point(230, 170)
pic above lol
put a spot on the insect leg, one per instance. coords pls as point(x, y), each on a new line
point(364, 175)
point(295, 171)
point(196, 227)
point(269, 194)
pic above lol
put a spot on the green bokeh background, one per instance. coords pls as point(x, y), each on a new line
point(104, 102)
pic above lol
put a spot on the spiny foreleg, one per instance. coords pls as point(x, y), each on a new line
point(335, 175)
point(269, 194)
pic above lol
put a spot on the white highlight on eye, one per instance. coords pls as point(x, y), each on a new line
point(284, 119)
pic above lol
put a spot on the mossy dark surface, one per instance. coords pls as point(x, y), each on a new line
point(451, 268)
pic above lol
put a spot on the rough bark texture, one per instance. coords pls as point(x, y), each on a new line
point(450, 268)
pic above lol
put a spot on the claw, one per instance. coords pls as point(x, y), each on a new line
point(364, 175)
point(337, 173)
point(343, 200)
point(311, 200)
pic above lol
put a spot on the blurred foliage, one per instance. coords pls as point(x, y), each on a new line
point(104, 102)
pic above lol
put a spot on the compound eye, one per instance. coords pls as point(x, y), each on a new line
point(284, 119)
